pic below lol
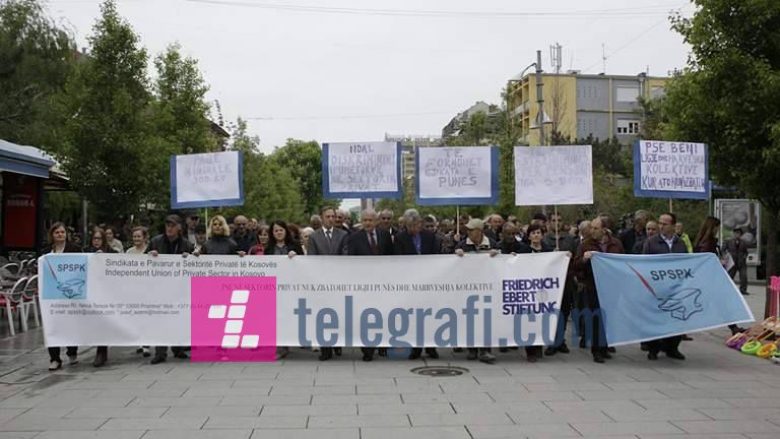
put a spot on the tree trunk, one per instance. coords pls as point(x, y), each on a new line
point(773, 215)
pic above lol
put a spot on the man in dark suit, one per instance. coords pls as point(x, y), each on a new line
point(328, 240)
point(370, 241)
point(413, 240)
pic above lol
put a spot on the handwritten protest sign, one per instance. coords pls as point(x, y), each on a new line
point(462, 175)
point(361, 170)
point(206, 180)
point(553, 175)
point(671, 170)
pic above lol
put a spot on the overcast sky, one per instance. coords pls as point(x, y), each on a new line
point(353, 70)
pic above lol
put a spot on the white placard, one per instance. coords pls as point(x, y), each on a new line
point(206, 180)
point(459, 175)
point(130, 300)
point(666, 169)
point(361, 170)
point(553, 175)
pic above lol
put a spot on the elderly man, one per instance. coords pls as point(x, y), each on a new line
point(413, 240)
point(477, 242)
point(630, 237)
point(600, 240)
point(370, 241)
point(244, 238)
point(328, 240)
point(651, 229)
point(666, 241)
point(342, 221)
point(315, 222)
point(493, 229)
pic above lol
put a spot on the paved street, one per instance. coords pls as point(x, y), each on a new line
point(716, 393)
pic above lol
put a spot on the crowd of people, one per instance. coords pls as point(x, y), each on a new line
point(381, 233)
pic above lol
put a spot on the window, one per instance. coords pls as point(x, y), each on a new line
point(627, 94)
point(625, 126)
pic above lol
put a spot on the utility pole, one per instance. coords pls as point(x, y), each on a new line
point(539, 97)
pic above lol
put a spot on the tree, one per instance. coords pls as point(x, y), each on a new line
point(105, 149)
point(179, 117)
point(729, 97)
point(36, 57)
point(304, 161)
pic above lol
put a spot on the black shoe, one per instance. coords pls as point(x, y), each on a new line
point(532, 358)
point(325, 355)
point(745, 293)
point(677, 355)
point(100, 361)
point(368, 357)
point(598, 358)
point(337, 351)
point(181, 355)
point(157, 360)
point(432, 354)
point(457, 349)
point(611, 350)
point(415, 355)
point(503, 350)
point(652, 356)
point(472, 355)
point(606, 355)
point(563, 349)
point(382, 352)
point(583, 343)
point(686, 337)
point(644, 346)
point(737, 329)
point(550, 351)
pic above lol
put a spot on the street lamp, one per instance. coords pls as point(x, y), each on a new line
point(539, 98)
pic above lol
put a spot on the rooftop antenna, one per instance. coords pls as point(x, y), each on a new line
point(556, 58)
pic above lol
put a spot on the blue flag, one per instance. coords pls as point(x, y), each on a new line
point(645, 297)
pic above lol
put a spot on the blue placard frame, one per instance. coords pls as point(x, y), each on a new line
point(327, 194)
point(208, 203)
point(685, 195)
point(450, 201)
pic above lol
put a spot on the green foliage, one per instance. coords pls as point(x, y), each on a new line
point(105, 148)
point(36, 57)
point(304, 161)
point(729, 98)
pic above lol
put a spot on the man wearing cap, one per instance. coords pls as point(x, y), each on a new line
point(413, 240)
point(477, 242)
point(169, 243)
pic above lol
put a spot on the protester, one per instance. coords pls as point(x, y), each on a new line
point(477, 242)
point(315, 222)
point(98, 244)
point(600, 240)
point(220, 242)
point(191, 228)
point(707, 242)
point(495, 222)
point(170, 243)
point(737, 248)
point(666, 241)
point(631, 236)
point(140, 238)
point(341, 220)
point(560, 239)
point(370, 241)
point(534, 244)
point(305, 234)
point(679, 229)
point(328, 240)
point(111, 241)
point(201, 236)
point(283, 243)
point(241, 235)
point(413, 240)
point(58, 242)
point(651, 229)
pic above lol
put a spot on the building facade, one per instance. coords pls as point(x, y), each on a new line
point(578, 106)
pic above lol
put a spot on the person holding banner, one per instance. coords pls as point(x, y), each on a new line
point(600, 240)
point(413, 240)
point(283, 242)
point(220, 242)
point(666, 241)
point(370, 241)
point(98, 244)
point(477, 242)
point(59, 243)
point(328, 240)
point(169, 243)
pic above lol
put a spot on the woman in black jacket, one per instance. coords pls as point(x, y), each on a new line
point(219, 242)
point(98, 244)
point(60, 243)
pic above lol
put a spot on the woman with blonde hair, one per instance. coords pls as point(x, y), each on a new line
point(219, 242)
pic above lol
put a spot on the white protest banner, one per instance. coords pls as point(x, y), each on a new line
point(553, 175)
point(206, 180)
point(671, 170)
point(460, 175)
point(440, 300)
point(361, 170)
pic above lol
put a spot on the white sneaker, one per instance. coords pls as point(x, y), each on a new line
point(55, 365)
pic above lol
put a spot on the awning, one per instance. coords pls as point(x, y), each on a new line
point(26, 160)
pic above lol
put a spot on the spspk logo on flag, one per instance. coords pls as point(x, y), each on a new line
point(646, 297)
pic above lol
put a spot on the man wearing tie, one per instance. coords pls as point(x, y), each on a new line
point(327, 240)
point(369, 241)
point(415, 241)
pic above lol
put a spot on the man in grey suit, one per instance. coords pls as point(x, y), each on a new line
point(328, 240)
